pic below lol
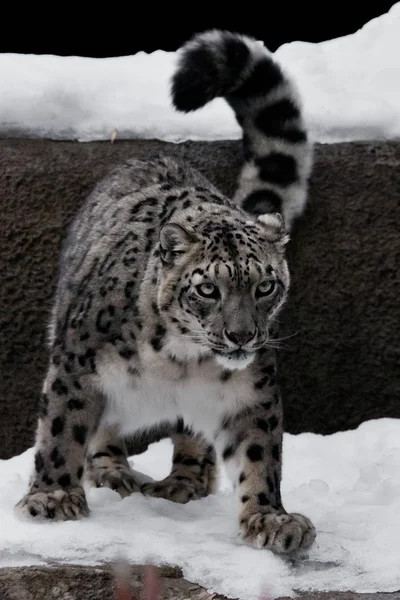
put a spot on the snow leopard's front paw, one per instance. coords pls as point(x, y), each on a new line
point(175, 489)
point(60, 505)
point(281, 533)
point(118, 477)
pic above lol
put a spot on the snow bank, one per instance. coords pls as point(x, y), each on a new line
point(348, 483)
point(350, 86)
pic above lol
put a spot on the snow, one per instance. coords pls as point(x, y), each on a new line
point(350, 87)
point(348, 483)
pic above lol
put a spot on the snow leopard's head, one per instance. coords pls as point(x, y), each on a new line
point(224, 279)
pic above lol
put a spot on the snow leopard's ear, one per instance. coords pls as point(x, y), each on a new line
point(274, 227)
point(175, 239)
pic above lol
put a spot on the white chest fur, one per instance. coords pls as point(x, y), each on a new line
point(164, 392)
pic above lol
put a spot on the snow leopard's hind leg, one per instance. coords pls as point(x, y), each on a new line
point(107, 463)
point(193, 474)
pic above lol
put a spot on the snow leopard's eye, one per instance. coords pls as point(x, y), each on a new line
point(265, 288)
point(208, 290)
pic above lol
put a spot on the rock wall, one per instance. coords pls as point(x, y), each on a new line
point(340, 363)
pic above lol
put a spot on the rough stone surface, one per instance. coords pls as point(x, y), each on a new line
point(89, 583)
point(97, 583)
point(340, 364)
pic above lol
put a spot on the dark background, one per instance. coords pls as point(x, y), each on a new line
point(116, 29)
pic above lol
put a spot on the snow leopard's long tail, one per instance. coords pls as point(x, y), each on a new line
point(277, 153)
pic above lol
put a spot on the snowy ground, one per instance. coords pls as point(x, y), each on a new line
point(350, 86)
point(348, 483)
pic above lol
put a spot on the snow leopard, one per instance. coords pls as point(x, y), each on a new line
point(166, 313)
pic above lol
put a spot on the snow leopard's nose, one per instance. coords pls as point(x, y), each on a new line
point(240, 337)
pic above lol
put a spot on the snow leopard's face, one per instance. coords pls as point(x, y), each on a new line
point(224, 281)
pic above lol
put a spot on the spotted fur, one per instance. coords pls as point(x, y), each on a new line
point(165, 313)
point(277, 152)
